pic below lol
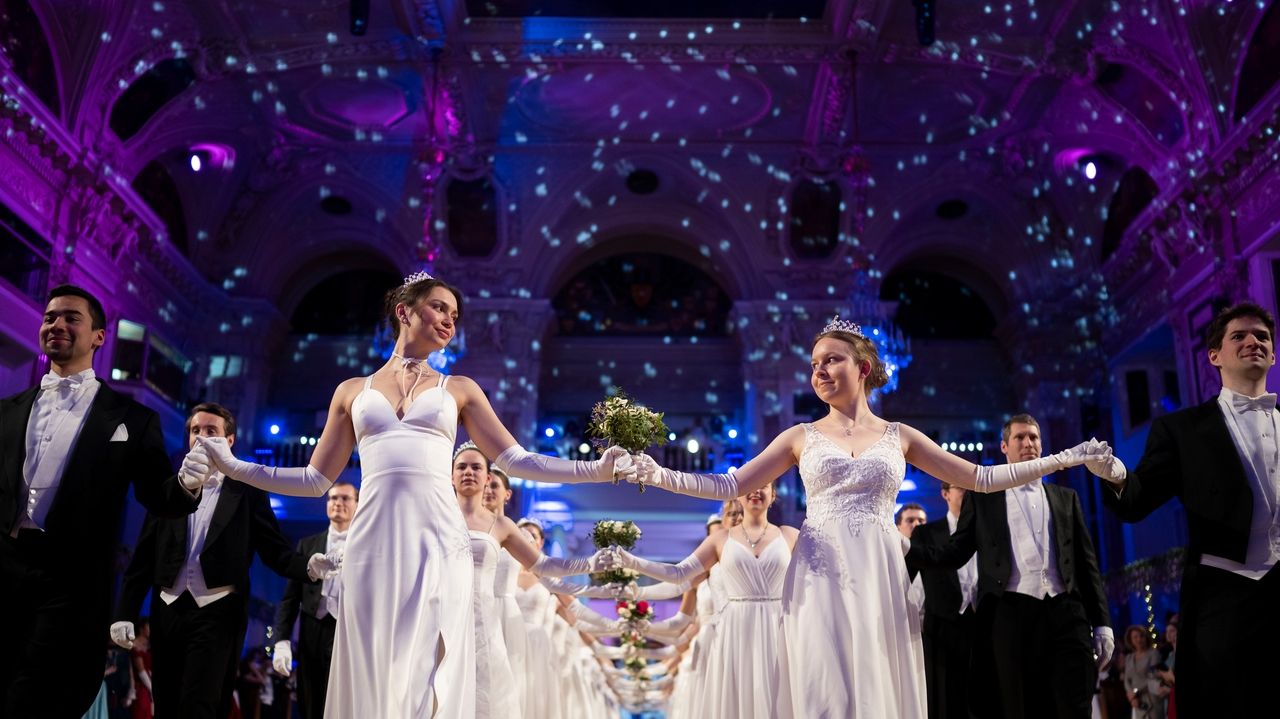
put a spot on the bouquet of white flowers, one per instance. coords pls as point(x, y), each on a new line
point(619, 420)
point(612, 533)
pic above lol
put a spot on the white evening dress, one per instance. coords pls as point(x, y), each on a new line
point(404, 645)
point(514, 633)
point(496, 697)
point(744, 661)
point(542, 701)
point(851, 645)
point(710, 604)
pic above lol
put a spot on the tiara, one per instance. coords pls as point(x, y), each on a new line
point(714, 519)
point(839, 325)
point(530, 522)
point(416, 277)
point(495, 469)
point(464, 447)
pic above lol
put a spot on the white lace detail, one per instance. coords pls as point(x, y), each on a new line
point(851, 490)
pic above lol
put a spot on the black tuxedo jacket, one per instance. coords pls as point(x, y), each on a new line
point(942, 594)
point(1190, 455)
point(983, 527)
point(84, 522)
point(242, 524)
point(301, 595)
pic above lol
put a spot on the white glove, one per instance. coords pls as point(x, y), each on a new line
point(196, 468)
point(1109, 469)
point(1104, 643)
point(688, 568)
point(614, 464)
point(282, 657)
point(321, 566)
point(999, 477)
point(293, 481)
point(548, 566)
point(122, 634)
point(706, 486)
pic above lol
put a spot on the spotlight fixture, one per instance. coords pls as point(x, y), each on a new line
point(196, 162)
point(1090, 169)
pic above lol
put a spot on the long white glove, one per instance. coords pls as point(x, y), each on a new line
point(999, 477)
point(1109, 469)
point(293, 481)
point(684, 572)
point(706, 486)
point(652, 592)
point(1104, 643)
point(321, 566)
point(548, 566)
point(282, 657)
point(196, 468)
point(673, 625)
point(615, 463)
point(588, 620)
point(122, 634)
point(614, 590)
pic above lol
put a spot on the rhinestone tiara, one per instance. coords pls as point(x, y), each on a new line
point(464, 447)
point(839, 325)
point(416, 277)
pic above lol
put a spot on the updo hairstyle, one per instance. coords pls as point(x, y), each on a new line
point(864, 350)
point(410, 295)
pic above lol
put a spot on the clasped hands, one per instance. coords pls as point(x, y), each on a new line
point(1097, 457)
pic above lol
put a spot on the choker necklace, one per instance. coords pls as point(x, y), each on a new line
point(748, 538)
point(407, 363)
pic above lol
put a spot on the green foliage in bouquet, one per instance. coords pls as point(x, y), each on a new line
point(619, 576)
point(612, 533)
point(618, 420)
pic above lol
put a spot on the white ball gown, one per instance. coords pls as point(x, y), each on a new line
point(496, 692)
point(404, 645)
point(542, 700)
point(851, 643)
point(743, 663)
point(514, 634)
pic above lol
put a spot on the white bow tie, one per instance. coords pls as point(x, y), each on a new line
point(1263, 403)
point(53, 381)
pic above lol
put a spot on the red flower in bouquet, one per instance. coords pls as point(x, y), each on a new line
point(642, 607)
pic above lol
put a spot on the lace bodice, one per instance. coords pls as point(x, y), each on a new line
point(851, 490)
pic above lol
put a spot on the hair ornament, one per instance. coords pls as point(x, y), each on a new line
point(416, 277)
point(464, 447)
point(839, 325)
point(530, 522)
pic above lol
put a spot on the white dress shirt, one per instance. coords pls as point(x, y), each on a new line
point(1035, 558)
point(57, 416)
point(330, 586)
point(968, 574)
point(191, 575)
point(1254, 432)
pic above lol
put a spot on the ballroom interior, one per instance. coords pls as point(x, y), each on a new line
point(1031, 206)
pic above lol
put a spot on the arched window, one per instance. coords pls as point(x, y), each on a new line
point(934, 305)
point(815, 219)
point(1261, 68)
point(642, 294)
point(1136, 191)
point(144, 98)
point(25, 43)
point(348, 303)
point(472, 216)
point(156, 187)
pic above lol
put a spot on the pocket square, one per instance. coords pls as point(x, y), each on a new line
point(120, 435)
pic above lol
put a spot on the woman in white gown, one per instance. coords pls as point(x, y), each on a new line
point(491, 535)
point(404, 645)
point(537, 606)
point(850, 643)
point(748, 563)
point(496, 494)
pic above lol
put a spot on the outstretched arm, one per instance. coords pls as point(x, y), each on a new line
point(927, 456)
point(684, 572)
point(333, 450)
point(765, 467)
point(543, 565)
point(486, 430)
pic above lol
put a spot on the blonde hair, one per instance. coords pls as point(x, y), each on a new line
point(864, 350)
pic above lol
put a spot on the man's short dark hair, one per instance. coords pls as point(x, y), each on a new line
point(345, 483)
point(897, 518)
point(96, 313)
point(1217, 329)
point(228, 419)
point(1022, 418)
